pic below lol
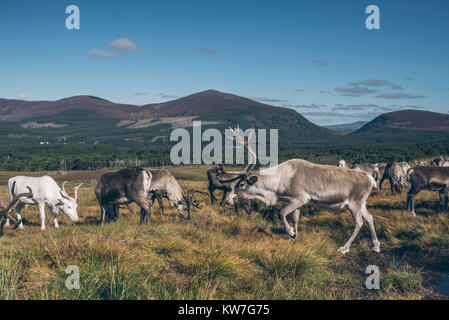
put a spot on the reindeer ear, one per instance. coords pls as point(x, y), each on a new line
point(252, 180)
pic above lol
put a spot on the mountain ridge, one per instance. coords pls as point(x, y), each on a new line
point(408, 120)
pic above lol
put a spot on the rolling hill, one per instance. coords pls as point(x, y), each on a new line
point(411, 120)
point(91, 119)
point(84, 132)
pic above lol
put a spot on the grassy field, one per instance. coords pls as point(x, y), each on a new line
point(218, 255)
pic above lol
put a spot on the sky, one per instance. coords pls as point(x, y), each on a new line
point(316, 57)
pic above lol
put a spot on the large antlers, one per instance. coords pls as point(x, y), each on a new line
point(4, 211)
point(66, 195)
point(247, 144)
point(191, 202)
point(76, 190)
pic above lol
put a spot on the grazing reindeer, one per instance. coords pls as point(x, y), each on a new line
point(46, 192)
point(440, 162)
point(430, 178)
point(164, 185)
point(4, 210)
point(123, 187)
point(215, 175)
point(298, 182)
point(367, 168)
point(396, 173)
point(381, 166)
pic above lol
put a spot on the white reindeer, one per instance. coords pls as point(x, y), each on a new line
point(46, 192)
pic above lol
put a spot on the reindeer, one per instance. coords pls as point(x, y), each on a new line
point(123, 187)
point(5, 210)
point(440, 162)
point(430, 178)
point(396, 173)
point(164, 185)
point(215, 175)
point(367, 168)
point(298, 182)
point(46, 193)
point(381, 166)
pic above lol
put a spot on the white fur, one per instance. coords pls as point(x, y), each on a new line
point(46, 192)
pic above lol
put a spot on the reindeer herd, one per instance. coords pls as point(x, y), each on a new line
point(293, 183)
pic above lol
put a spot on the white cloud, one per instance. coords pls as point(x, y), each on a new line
point(399, 96)
point(98, 53)
point(22, 96)
point(124, 44)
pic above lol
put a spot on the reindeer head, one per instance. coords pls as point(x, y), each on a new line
point(68, 204)
point(243, 178)
point(188, 203)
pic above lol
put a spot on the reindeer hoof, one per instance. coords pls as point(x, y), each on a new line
point(343, 250)
point(376, 249)
point(291, 232)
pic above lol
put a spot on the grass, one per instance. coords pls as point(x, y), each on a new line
point(218, 255)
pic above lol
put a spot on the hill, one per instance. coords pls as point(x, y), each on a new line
point(90, 119)
point(17, 110)
point(413, 120)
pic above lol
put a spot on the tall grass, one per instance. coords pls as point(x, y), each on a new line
point(218, 255)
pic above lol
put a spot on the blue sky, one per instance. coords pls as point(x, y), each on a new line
point(314, 56)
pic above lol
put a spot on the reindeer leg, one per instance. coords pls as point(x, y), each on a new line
point(296, 214)
point(225, 192)
point(54, 211)
point(411, 200)
point(145, 212)
point(369, 219)
point(2, 224)
point(391, 186)
point(42, 214)
point(357, 215)
point(160, 203)
point(128, 205)
point(212, 197)
point(18, 210)
point(102, 214)
point(248, 207)
point(381, 182)
point(285, 212)
point(236, 208)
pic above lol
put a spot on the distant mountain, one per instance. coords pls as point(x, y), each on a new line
point(410, 120)
point(17, 110)
point(88, 118)
point(346, 126)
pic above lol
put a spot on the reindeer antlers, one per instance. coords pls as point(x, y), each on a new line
point(4, 211)
point(66, 195)
point(241, 139)
point(191, 202)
